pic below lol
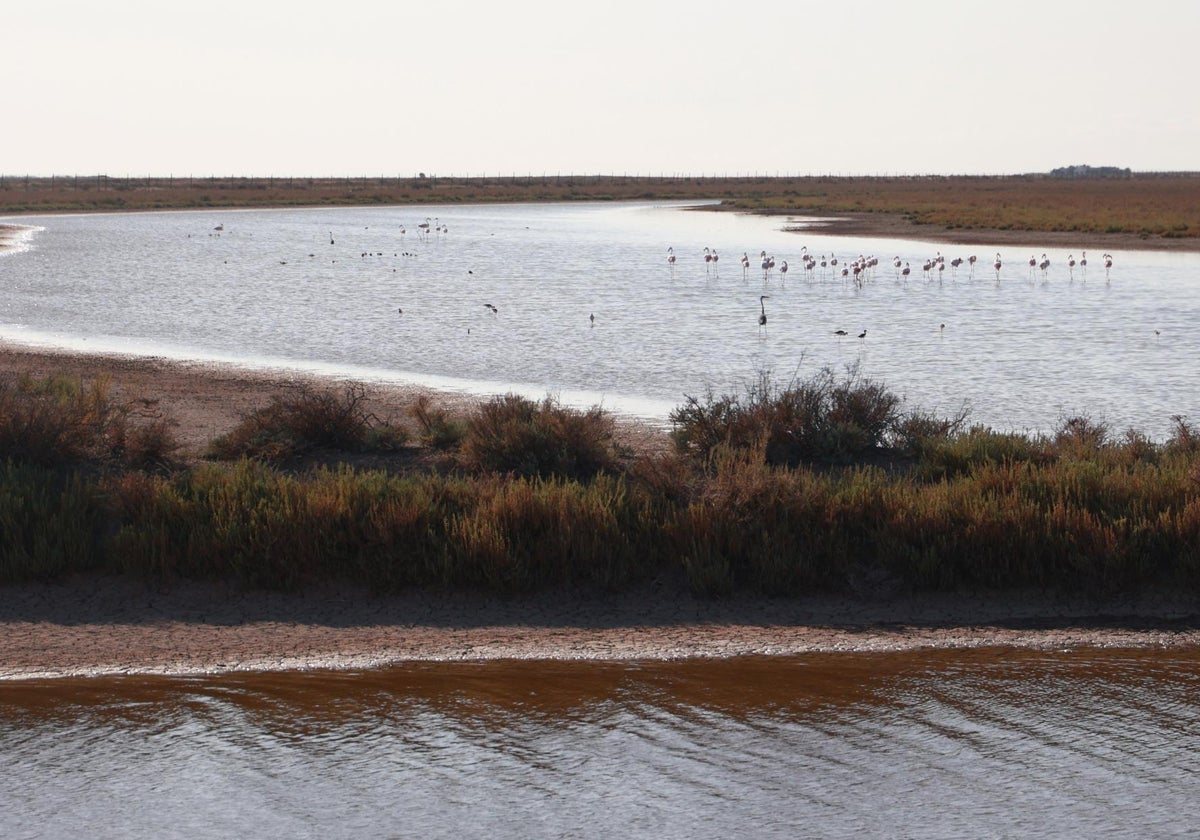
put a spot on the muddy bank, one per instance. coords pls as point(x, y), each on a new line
point(106, 625)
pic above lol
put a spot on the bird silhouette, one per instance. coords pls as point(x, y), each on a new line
point(762, 319)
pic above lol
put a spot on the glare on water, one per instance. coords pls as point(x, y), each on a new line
point(579, 300)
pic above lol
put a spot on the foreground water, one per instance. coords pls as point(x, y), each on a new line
point(1084, 743)
point(322, 290)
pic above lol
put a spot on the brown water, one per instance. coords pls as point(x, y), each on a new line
point(999, 742)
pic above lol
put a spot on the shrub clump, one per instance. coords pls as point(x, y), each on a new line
point(59, 420)
point(307, 419)
point(827, 419)
point(512, 434)
point(438, 429)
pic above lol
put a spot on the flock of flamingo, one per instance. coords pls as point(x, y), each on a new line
point(862, 268)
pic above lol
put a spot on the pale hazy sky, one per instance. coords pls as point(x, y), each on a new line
point(396, 87)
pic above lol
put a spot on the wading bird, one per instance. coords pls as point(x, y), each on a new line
point(762, 318)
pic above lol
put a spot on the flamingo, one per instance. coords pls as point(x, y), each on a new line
point(745, 264)
point(766, 264)
point(671, 259)
point(1107, 264)
point(762, 319)
point(783, 270)
point(716, 257)
point(1071, 265)
point(1032, 264)
point(1083, 262)
point(707, 260)
point(1044, 265)
point(906, 270)
point(996, 265)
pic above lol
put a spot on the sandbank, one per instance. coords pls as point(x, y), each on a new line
point(896, 226)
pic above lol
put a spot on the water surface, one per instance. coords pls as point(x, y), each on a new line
point(322, 290)
point(1083, 743)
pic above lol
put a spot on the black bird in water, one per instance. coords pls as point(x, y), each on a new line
point(862, 334)
point(762, 319)
point(840, 332)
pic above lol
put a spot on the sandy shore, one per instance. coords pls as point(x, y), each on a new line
point(112, 625)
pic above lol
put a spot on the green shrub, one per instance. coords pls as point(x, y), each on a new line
point(826, 419)
point(48, 523)
point(438, 429)
point(303, 420)
point(516, 435)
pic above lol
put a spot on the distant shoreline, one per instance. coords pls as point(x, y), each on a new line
point(895, 226)
point(1137, 212)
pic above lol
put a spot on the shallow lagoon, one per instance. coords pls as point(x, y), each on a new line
point(321, 289)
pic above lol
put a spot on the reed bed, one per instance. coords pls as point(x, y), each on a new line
point(534, 496)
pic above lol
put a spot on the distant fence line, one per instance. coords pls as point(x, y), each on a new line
point(291, 182)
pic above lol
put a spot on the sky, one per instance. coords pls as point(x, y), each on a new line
point(395, 87)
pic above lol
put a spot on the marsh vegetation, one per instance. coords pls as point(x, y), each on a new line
point(825, 485)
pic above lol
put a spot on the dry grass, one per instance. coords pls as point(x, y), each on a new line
point(1152, 206)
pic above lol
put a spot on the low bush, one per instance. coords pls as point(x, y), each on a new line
point(59, 420)
point(824, 420)
point(512, 434)
point(438, 428)
point(306, 419)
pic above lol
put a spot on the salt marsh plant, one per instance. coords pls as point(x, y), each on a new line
point(308, 418)
point(825, 419)
point(516, 435)
point(60, 419)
